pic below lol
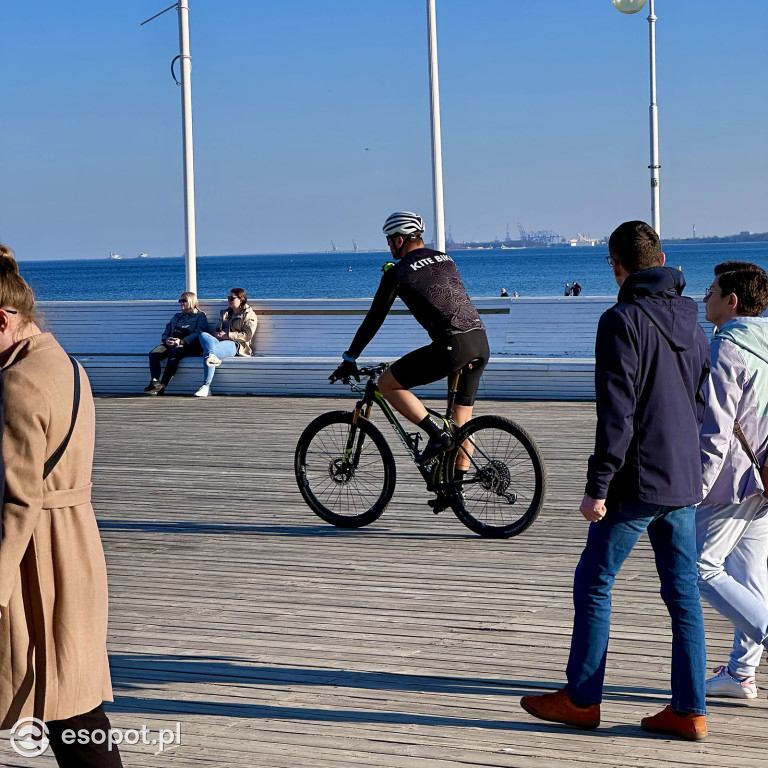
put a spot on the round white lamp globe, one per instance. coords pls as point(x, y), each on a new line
point(629, 6)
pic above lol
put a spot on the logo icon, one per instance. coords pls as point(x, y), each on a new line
point(29, 737)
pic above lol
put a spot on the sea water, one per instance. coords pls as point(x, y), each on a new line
point(529, 271)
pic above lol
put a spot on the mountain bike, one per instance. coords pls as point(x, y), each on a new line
point(346, 471)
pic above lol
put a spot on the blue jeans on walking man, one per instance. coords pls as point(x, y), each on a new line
point(213, 346)
point(672, 533)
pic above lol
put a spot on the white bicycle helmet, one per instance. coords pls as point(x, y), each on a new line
point(405, 223)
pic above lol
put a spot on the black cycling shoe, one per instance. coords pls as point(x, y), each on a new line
point(435, 446)
point(439, 504)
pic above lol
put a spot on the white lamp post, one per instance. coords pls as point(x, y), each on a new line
point(437, 147)
point(633, 6)
point(190, 241)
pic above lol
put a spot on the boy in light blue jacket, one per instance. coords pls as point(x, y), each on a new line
point(732, 521)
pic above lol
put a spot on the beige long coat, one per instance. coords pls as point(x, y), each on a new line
point(53, 579)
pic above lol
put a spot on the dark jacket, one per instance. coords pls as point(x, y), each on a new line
point(187, 326)
point(651, 365)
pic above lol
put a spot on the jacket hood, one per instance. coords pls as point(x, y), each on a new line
point(657, 291)
point(750, 333)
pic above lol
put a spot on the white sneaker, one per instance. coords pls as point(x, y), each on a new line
point(725, 684)
point(211, 359)
point(204, 391)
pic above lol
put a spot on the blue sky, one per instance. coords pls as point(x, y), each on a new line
point(311, 121)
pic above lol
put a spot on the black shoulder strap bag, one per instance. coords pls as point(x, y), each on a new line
point(57, 454)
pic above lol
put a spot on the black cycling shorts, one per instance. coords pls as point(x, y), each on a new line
point(441, 358)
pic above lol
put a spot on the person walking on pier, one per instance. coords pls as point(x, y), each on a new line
point(429, 284)
point(651, 366)
point(53, 578)
point(732, 521)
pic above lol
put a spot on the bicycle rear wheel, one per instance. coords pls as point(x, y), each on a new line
point(345, 472)
point(503, 490)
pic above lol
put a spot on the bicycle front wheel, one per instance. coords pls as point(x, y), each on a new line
point(345, 471)
point(503, 489)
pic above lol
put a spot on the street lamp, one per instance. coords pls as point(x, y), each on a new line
point(185, 65)
point(633, 6)
point(437, 150)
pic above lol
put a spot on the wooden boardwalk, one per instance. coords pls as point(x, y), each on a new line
point(277, 641)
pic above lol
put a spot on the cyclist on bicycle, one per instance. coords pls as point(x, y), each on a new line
point(430, 286)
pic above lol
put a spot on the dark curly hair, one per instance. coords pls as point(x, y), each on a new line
point(748, 281)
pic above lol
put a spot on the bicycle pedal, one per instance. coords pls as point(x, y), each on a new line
point(438, 505)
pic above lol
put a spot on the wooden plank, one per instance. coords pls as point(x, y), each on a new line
point(277, 640)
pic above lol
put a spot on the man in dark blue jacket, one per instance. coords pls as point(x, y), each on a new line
point(651, 365)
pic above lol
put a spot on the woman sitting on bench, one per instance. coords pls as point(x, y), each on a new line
point(232, 337)
point(180, 338)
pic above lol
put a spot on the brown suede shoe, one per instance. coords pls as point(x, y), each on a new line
point(558, 708)
point(691, 727)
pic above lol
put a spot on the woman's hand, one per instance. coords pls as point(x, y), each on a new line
point(221, 335)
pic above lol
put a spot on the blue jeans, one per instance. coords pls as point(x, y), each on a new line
point(222, 349)
point(672, 532)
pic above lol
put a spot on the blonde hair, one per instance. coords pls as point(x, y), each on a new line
point(14, 291)
point(192, 299)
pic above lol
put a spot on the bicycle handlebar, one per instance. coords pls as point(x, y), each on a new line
point(375, 370)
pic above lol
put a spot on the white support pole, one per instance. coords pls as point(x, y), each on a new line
point(654, 125)
point(437, 148)
point(190, 251)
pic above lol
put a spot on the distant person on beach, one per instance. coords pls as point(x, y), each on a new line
point(429, 284)
point(732, 521)
point(53, 578)
point(568, 290)
point(651, 366)
point(576, 289)
point(180, 338)
point(233, 336)
point(504, 293)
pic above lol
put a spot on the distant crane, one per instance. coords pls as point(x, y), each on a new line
point(541, 236)
point(450, 240)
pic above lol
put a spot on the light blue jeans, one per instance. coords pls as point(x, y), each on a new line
point(609, 542)
point(222, 349)
point(732, 541)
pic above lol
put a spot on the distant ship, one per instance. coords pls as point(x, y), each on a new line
point(580, 241)
point(115, 256)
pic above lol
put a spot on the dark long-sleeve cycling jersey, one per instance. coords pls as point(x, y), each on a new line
point(430, 286)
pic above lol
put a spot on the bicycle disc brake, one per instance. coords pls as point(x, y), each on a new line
point(340, 471)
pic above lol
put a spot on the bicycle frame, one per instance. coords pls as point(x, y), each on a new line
point(432, 474)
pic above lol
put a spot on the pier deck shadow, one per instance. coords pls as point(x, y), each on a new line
point(278, 641)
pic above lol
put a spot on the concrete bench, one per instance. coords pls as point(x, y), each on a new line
point(541, 348)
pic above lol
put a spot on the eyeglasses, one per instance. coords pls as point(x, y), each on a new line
point(708, 293)
point(232, 298)
point(610, 261)
point(183, 301)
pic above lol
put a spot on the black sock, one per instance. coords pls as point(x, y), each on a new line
point(430, 427)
